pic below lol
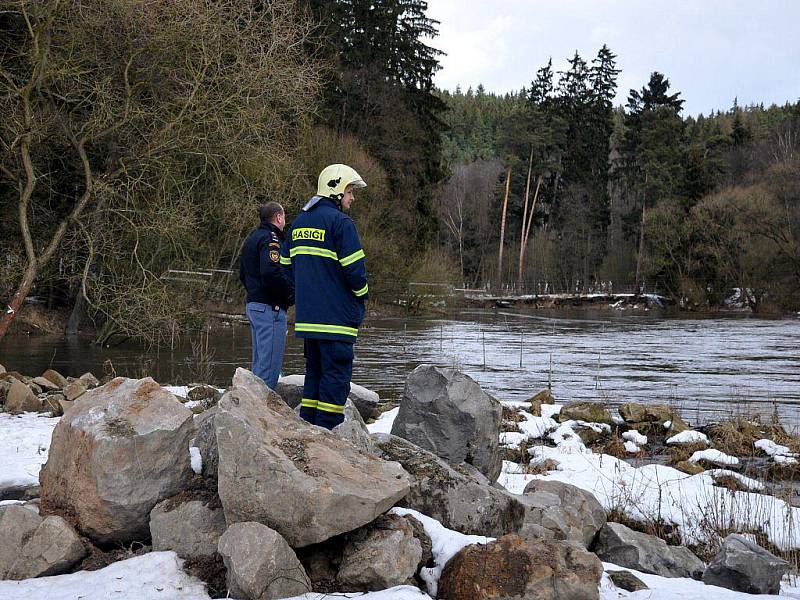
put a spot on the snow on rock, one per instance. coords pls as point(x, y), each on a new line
point(445, 544)
point(772, 449)
point(383, 424)
point(551, 410)
point(650, 492)
point(631, 447)
point(401, 592)
point(689, 437)
point(196, 459)
point(24, 443)
point(679, 588)
point(714, 456)
point(784, 460)
point(634, 436)
point(512, 439)
point(536, 427)
point(751, 484)
point(152, 576)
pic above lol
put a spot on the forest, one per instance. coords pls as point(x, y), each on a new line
point(137, 140)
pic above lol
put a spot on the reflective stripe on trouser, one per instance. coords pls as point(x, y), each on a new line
point(268, 338)
point(329, 367)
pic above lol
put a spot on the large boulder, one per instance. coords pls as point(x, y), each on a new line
point(447, 412)
point(301, 480)
point(745, 566)
point(625, 547)
point(452, 495)
point(560, 511)
point(512, 567)
point(354, 430)
point(114, 455)
point(290, 388)
point(590, 412)
point(33, 546)
point(190, 529)
point(382, 555)
point(260, 564)
point(20, 398)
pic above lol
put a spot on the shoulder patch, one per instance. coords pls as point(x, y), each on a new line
point(274, 256)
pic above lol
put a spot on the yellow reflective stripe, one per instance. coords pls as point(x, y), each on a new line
point(323, 328)
point(348, 260)
point(285, 260)
point(309, 403)
point(312, 251)
point(362, 291)
point(331, 408)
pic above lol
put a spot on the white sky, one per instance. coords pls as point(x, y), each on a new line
point(711, 50)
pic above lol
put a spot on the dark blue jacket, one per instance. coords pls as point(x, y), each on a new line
point(260, 271)
point(324, 257)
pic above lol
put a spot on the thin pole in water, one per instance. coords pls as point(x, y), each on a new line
point(441, 337)
point(550, 373)
point(405, 325)
point(521, 344)
point(483, 338)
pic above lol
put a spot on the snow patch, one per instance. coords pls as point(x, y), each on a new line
point(383, 424)
point(152, 576)
point(24, 444)
point(551, 410)
point(401, 592)
point(634, 436)
point(196, 459)
point(714, 456)
point(631, 447)
point(689, 437)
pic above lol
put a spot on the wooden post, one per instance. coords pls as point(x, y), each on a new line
point(503, 230)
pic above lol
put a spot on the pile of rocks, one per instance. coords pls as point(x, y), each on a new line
point(281, 507)
point(50, 392)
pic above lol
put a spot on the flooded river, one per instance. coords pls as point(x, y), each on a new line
point(707, 367)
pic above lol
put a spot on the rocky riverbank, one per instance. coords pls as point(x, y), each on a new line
point(452, 494)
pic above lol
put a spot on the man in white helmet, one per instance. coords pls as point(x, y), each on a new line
point(324, 258)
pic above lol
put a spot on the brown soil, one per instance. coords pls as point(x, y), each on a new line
point(199, 489)
point(99, 559)
point(35, 319)
point(212, 571)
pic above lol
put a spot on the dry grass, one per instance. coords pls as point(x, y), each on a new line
point(678, 454)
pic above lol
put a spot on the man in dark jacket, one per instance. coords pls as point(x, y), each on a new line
point(324, 257)
point(269, 292)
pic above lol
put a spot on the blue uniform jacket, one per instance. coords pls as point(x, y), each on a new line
point(260, 271)
point(324, 258)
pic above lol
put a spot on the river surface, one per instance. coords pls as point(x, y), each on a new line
point(707, 367)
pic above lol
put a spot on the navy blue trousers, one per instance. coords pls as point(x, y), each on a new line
point(329, 367)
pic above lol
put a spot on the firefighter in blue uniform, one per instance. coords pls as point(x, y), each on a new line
point(324, 258)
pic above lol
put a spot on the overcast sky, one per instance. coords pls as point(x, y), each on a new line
point(711, 50)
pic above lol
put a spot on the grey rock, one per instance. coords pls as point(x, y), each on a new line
point(190, 529)
point(745, 566)
point(36, 547)
point(2, 369)
point(205, 440)
point(53, 402)
point(381, 555)
point(45, 384)
point(625, 547)
point(20, 398)
point(560, 511)
point(57, 378)
point(114, 455)
point(446, 412)
point(290, 389)
point(452, 496)
point(260, 564)
point(625, 580)
point(4, 387)
point(89, 380)
point(354, 430)
point(75, 390)
point(269, 458)
point(426, 560)
point(590, 412)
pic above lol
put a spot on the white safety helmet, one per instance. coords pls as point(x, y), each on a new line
point(335, 178)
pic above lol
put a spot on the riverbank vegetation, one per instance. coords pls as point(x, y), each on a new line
point(138, 139)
